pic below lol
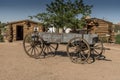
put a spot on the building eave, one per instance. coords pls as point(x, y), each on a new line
point(27, 20)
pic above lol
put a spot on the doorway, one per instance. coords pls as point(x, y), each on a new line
point(19, 33)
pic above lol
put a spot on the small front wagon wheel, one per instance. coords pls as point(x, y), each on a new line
point(33, 45)
point(50, 49)
point(78, 50)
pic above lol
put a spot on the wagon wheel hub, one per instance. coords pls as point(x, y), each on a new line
point(80, 48)
point(32, 45)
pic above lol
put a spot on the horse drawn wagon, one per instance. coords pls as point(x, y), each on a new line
point(80, 47)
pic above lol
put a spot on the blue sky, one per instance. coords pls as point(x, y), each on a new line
point(12, 10)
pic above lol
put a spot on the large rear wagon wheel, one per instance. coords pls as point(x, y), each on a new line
point(78, 50)
point(33, 45)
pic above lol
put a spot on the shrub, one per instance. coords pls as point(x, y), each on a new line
point(1, 38)
point(117, 38)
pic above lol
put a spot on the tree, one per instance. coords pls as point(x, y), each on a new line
point(65, 13)
point(2, 26)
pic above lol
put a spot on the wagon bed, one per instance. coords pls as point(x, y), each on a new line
point(65, 37)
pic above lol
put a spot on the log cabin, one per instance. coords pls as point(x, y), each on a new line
point(18, 29)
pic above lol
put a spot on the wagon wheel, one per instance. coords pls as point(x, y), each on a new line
point(78, 50)
point(98, 49)
point(33, 45)
point(50, 49)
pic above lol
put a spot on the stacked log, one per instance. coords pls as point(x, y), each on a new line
point(10, 33)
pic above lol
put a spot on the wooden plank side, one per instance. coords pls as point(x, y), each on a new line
point(65, 37)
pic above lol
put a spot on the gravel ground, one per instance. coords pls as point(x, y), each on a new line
point(16, 65)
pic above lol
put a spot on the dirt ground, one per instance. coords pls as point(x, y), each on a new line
point(16, 65)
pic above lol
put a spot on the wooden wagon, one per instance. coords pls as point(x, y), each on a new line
point(80, 47)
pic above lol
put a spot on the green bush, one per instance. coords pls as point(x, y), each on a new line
point(1, 38)
point(117, 38)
